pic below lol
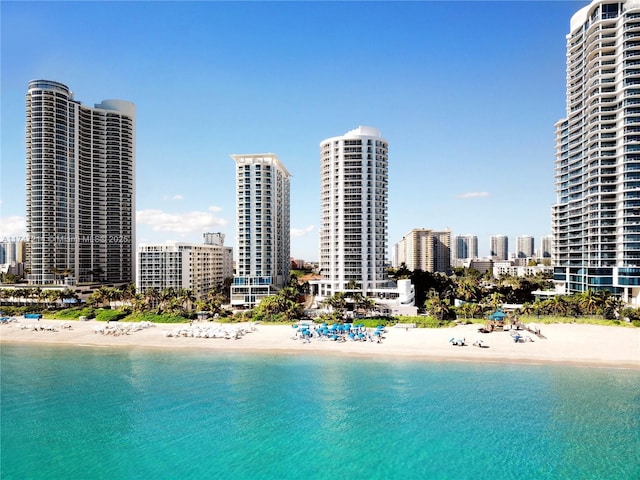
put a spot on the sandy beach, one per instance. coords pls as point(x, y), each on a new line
point(587, 345)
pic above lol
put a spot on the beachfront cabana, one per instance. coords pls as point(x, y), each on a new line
point(498, 316)
point(496, 320)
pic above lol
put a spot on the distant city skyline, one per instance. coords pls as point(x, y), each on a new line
point(206, 91)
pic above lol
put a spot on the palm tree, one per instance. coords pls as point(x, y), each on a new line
point(4, 294)
point(289, 293)
point(31, 293)
point(438, 307)
point(612, 307)
point(558, 306)
point(152, 299)
point(22, 294)
point(174, 305)
point(402, 272)
point(115, 295)
point(201, 305)
point(39, 294)
point(496, 300)
point(55, 272)
point(357, 298)
point(186, 298)
point(65, 273)
point(352, 285)
point(215, 300)
point(475, 310)
point(51, 297)
point(128, 292)
point(337, 302)
point(589, 302)
point(368, 305)
point(463, 310)
point(165, 297)
point(467, 289)
point(68, 294)
point(139, 302)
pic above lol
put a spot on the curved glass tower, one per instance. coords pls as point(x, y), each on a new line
point(80, 187)
point(596, 218)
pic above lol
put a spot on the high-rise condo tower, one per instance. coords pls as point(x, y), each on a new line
point(525, 246)
point(596, 217)
point(499, 247)
point(80, 187)
point(262, 227)
point(353, 204)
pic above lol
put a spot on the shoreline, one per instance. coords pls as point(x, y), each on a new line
point(577, 345)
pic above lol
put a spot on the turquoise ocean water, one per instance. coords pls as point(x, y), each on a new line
point(96, 413)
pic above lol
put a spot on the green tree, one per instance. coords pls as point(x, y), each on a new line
point(152, 299)
point(467, 289)
point(337, 302)
point(612, 308)
point(590, 302)
point(438, 307)
point(9, 278)
point(167, 295)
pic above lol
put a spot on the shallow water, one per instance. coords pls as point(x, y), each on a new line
point(132, 413)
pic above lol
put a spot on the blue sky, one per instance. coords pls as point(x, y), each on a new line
point(466, 93)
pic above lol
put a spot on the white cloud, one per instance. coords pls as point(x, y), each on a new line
point(301, 232)
point(473, 195)
point(177, 196)
point(182, 223)
point(13, 226)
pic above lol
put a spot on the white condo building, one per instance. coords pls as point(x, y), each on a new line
point(525, 246)
point(80, 187)
point(596, 217)
point(353, 217)
point(353, 204)
point(195, 267)
point(262, 226)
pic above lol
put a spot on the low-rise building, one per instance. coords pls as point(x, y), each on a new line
point(515, 270)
